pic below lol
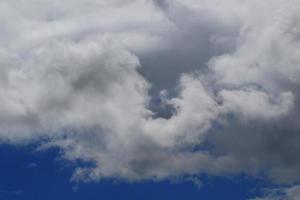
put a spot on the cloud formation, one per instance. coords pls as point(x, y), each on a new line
point(291, 193)
point(94, 78)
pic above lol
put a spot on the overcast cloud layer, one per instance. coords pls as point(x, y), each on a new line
point(155, 89)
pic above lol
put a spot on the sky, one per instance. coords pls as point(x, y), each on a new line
point(194, 99)
point(28, 175)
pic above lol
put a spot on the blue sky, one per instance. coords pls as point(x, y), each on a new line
point(32, 176)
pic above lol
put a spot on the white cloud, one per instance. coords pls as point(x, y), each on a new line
point(255, 104)
point(64, 84)
point(70, 75)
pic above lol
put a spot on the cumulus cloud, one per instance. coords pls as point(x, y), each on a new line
point(94, 78)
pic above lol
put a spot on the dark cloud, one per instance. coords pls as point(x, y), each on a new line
point(163, 4)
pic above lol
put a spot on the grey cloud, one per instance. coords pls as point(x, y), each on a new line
point(288, 193)
point(80, 75)
point(269, 148)
point(163, 4)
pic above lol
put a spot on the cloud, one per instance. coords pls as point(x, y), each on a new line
point(254, 104)
point(82, 76)
point(291, 193)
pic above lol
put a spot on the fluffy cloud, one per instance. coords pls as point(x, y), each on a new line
point(62, 84)
point(84, 77)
